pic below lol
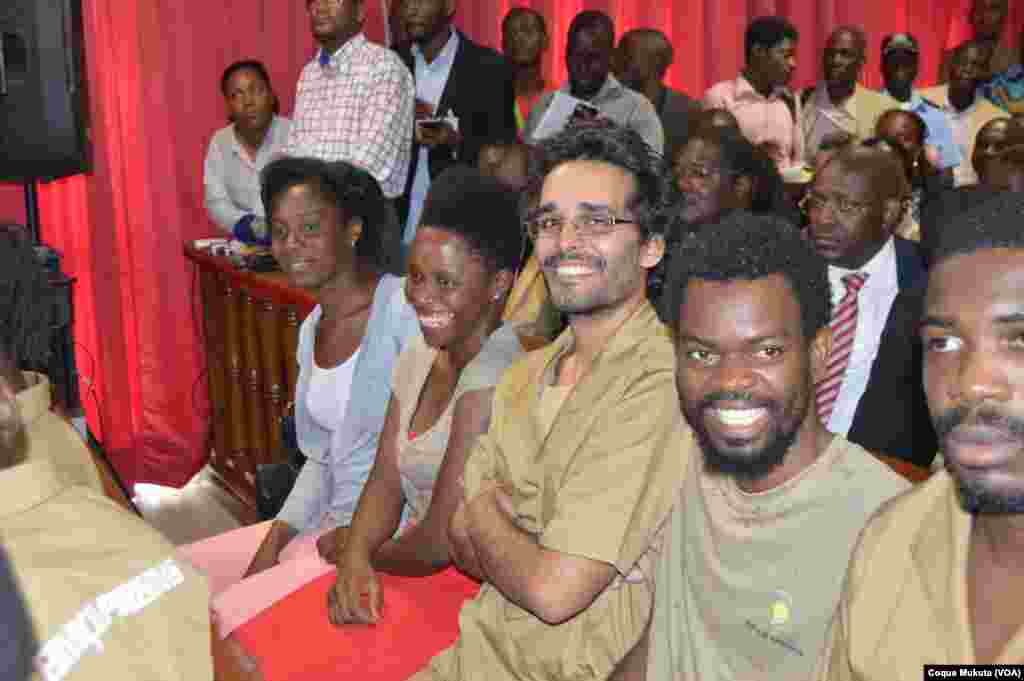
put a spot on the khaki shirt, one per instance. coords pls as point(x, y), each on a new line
point(856, 116)
point(49, 435)
point(70, 545)
point(904, 603)
point(598, 482)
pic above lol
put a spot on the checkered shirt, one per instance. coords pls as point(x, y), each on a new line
point(358, 108)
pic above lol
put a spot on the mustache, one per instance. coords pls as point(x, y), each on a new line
point(949, 420)
point(553, 261)
point(711, 399)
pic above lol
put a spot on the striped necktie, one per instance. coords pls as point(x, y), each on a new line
point(844, 329)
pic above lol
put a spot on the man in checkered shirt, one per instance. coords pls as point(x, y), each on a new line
point(355, 100)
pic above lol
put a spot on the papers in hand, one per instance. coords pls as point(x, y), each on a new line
point(562, 110)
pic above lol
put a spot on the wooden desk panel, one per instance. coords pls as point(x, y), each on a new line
point(251, 325)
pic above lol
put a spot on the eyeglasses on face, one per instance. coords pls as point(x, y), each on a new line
point(588, 227)
point(814, 202)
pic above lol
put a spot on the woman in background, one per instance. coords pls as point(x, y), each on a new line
point(239, 152)
point(334, 235)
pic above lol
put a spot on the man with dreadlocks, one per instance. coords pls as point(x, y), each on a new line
point(26, 323)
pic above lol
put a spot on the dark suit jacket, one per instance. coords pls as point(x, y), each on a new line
point(479, 93)
point(892, 416)
point(675, 111)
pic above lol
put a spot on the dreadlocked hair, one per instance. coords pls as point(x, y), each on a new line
point(27, 312)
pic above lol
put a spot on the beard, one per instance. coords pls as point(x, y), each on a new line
point(979, 496)
point(739, 461)
point(620, 279)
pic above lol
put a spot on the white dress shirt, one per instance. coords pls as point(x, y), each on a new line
point(431, 80)
point(231, 178)
point(873, 304)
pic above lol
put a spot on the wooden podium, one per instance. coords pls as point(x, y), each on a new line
point(250, 326)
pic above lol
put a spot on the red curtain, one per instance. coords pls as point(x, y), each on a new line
point(153, 70)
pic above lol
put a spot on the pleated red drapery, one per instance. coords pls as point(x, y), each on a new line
point(153, 71)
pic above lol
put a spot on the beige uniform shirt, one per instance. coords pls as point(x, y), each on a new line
point(747, 583)
point(597, 480)
point(965, 125)
point(49, 435)
point(70, 545)
point(904, 603)
point(857, 116)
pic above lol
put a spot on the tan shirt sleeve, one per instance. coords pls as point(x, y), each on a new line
point(619, 488)
point(834, 664)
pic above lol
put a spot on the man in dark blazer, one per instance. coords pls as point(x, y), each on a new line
point(464, 99)
point(874, 396)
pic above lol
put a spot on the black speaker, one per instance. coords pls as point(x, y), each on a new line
point(43, 104)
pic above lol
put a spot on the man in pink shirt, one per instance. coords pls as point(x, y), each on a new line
point(758, 97)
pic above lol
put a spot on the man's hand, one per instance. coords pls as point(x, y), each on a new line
point(460, 546)
point(331, 544)
point(356, 597)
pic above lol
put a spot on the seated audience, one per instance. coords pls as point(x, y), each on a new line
point(758, 97)
point(838, 103)
point(932, 577)
point(642, 59)
point(871, 393)
point(28, 315)
point(106, 597)
point(588, 57)
point(332, 235)
point(566, 491)
point(900, 64)
point(354, 101)
point(1006, 88)
point(993, 138)
point(239, 152)
point(719, 171)
point(461, 267)
point(775, 492)
point(988, 22)
point(465, 98)
point(965, 111)
point(524, 40)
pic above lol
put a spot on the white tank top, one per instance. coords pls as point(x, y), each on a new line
point(327, 398)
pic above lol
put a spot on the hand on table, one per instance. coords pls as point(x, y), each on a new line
point(356, 597)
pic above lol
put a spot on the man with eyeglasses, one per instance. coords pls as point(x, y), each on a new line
point(355, 100)
point(566, 492)
point(872, 392)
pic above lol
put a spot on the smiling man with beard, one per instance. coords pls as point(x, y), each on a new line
point(760, 536)
point(936, 576)
point(567, 490)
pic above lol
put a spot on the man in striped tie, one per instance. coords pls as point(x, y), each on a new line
point(871, 390)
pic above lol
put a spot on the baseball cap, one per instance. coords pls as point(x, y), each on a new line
point(900, 41)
